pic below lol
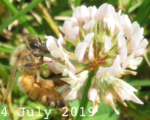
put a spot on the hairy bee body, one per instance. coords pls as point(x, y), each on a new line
point(47, 96)
point(23, 53)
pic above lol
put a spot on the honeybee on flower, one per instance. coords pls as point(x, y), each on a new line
point(105, 42)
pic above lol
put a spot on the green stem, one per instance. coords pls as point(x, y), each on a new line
point(84, 100)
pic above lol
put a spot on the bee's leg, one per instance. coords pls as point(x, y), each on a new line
point(36, 55)
point(46, 84)
point(59, 83)
point(35, 78)
point(35, 65)
point(40, 40)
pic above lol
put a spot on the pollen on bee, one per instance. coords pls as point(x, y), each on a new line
point(43, 99)
point(52, 104)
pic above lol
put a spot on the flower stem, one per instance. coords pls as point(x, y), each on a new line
point(84, 100)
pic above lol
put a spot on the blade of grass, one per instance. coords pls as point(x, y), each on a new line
point(143, 13)
point(15, 35)
point(49, 19)
point(5, 50)
point(19, 15)
point(138, 83)
point(135, 6)
point(84, 100)
point(6, 45)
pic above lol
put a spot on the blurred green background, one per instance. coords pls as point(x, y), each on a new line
point(19, 18)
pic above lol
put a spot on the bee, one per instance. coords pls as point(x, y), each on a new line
point(28, 58)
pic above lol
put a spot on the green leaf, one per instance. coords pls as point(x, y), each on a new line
point(104, 113)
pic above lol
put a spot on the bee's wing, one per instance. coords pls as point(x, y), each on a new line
point(11, 81)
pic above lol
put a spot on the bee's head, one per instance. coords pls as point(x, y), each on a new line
point(34, 43)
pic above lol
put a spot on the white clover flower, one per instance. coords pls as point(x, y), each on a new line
point(56, 50)
point(74, 92)
point(105, 42)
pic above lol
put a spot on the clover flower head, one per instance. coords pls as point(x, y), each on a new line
point(105, 42)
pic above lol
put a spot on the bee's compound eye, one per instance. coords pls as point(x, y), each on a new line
point(34, 45)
